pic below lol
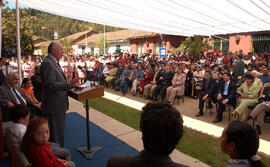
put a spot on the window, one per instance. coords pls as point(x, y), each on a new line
point(261, 43)
point(118, 48)
point(221, 44)
point(158, 45)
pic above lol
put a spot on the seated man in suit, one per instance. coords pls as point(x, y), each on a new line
point(157, 121)
point(11, 94)
point(207, 90)
point(226, 95)
point(153, 84)
point(164, 82)
point(20, 115)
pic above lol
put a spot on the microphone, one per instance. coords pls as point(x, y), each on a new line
point(88, 76)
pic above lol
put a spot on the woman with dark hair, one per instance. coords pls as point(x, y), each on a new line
point(241, 142)
point(27, 89)
point(248, 93)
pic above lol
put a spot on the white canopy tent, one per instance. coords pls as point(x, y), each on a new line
point(177, 17)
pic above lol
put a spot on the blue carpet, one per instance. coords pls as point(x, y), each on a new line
point(4, 163)
point(75, 136)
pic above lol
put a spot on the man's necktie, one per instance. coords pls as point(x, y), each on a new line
point(18, 97)
point(225, 92)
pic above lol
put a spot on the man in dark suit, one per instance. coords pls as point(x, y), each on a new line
point(11, 94)
point(162, 82)
point(239, 67)
point(226, 95)
point(207, 90)
point(157, 121)
point(54, 92)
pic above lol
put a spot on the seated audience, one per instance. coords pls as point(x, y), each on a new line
point(20, 116)
point(226, 95)
point(145, 80)
point(112, 72)
point(157, 121)
point(208, 89)
point(248, 93)
point(241, 143)
point(124, 79)
point(162, 82)
point(137, 80)
point(120, 69)
point(258, 112)
point(152, 85)
point(36, 146)
point(265, 77)
point(11, 94)
point(178, 86)
point(28, 91)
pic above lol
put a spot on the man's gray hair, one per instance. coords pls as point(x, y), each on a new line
point(11, 74)
point(51, 46)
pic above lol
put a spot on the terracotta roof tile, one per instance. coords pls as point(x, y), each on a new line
point(121, 35)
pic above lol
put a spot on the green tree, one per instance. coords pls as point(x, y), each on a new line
point(193, 45)
point(9, 34)
point(100, 44)
point(67, 45)
point(62, 25)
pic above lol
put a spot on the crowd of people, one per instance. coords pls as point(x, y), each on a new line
point(227, 79)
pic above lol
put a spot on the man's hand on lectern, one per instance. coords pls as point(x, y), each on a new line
point(74, 83)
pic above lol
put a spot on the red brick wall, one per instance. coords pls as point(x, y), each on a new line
point(244, 44)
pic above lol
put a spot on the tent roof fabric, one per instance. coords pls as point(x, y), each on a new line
point(176, 17)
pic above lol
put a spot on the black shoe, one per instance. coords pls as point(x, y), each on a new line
point(209, 105)
point(216, 120)
point(258, 130)
point(199, 114)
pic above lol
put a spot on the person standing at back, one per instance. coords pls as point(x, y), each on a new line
point(54, 92)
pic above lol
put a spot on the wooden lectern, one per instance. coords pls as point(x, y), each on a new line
point(85, 94)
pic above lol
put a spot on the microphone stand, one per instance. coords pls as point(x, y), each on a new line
point(88, 152)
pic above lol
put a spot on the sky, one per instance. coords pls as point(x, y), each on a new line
point(13, 5)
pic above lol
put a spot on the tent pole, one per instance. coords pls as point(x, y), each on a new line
point(0, 28)
point(18, 40)
point(104, 40)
